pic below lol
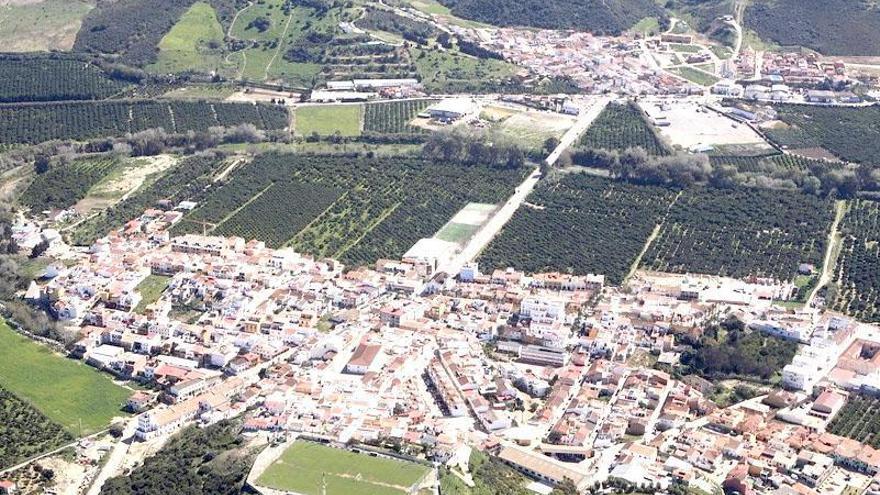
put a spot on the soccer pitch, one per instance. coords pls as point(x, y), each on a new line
point(307, 466)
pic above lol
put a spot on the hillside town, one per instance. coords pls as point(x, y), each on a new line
point(546, 372)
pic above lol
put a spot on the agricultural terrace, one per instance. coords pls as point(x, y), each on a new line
point(306, 466)
point(185, 180)
point(394, 117)
point(77, 397)
point(327, 120)
point(858, 264)
point(302, 43)
point(621, 126)
point(48, 78)
point(355, 209)
point(859, 419)
point(741, 232)
point(25, 431)
point(194, 43)
point(39, 122)
point(851, 134)
point(580, 224)
point(62, 186)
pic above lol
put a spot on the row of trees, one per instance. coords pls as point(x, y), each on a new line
point(685, 169)
point(474, 148)
point(858, 265)
point(88, 120)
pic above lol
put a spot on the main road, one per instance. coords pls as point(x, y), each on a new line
point(590, 109)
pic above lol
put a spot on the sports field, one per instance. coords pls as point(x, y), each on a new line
point(305, 466)
point(80, 398)
point(326, 120)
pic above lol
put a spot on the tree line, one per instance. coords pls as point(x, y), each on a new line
point(474, 148)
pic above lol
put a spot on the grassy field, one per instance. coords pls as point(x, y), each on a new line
point(328, 119)
point(683, 48)
point(264, 60)
point(41, 26)
point(303, 465)
point(695, 76)
point(531, 129)
point(457, 232)
point(195, 42)
point(451, 70)
point(78, 397)
point(151, 290)
point(648, 26)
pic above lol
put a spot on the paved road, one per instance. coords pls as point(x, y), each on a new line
point(590, 110)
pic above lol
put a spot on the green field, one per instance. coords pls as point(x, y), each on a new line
point(151, 289)
point(194, 43)
point(453, 71)
point(695, 76)
point(648, 26)
point(303, 465)
point(683, 48)
point(47, 25)
point(457, 232)
point(72, 394)
point(329, 119)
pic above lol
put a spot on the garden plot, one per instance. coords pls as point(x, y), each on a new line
point(691, 125)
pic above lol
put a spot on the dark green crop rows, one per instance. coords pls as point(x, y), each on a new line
point(355, 209)
point(859, 419)
point(394, 116)
point(50, 79)
point(26, 432)
point(858, 264)
point(852, 134)
point(622, 126)
point(35, 123)
point(742, 232)
point(63, 185)
point(581, 224)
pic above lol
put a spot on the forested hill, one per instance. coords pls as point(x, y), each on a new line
point(597, 16)
point(831, 27)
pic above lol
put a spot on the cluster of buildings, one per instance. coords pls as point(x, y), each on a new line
point(800, 77)
point(558, 375)
point(597, 64)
